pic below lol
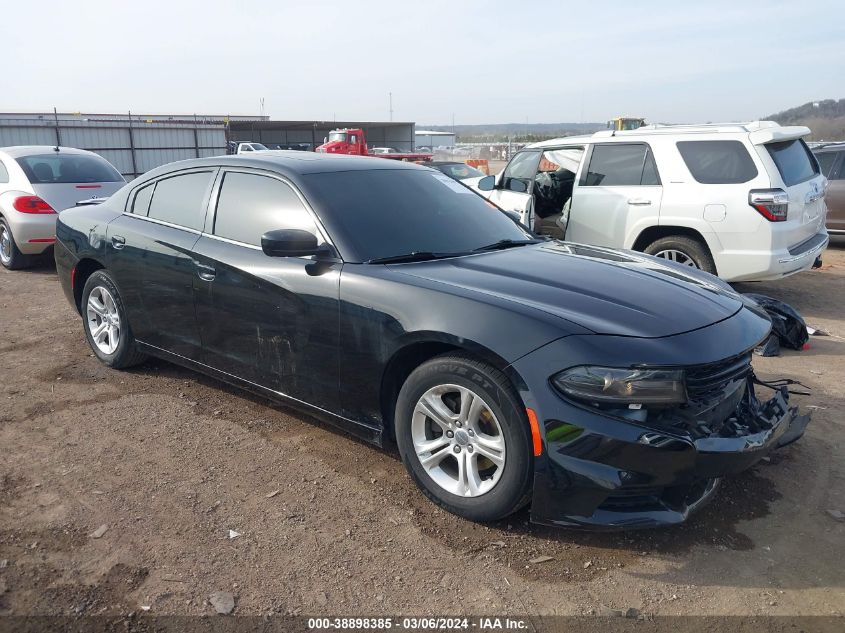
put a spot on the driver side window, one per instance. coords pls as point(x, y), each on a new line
point(521, 169)
point(249, 205)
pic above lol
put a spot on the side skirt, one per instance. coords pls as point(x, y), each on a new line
point(366, 432)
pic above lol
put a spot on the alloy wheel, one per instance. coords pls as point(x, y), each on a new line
point(458, 440)
point(103, 320)
point(5, 244)
point(679, 257)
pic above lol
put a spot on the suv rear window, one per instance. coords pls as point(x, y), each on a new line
point(717, 162)
point(42, 169)
point(793, 161)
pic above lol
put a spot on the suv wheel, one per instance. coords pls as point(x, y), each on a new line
point(10, 256)
point(464, 438)
point(683, 250)
point(106, 324)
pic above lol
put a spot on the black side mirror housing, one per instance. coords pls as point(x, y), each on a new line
point(488, 183)
point(290, 243)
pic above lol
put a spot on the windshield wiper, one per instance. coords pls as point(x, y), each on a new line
point(415, 256)
point(503, 244)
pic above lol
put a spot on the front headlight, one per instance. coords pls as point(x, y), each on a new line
point(608, 385)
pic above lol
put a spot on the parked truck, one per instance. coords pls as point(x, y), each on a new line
point(352, 141)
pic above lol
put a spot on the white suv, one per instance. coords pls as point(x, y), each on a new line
point(743, 201)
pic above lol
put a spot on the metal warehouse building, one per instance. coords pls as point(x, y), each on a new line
point(135, 144)
point(378, 134)
point(132, 144)
point(433, 138)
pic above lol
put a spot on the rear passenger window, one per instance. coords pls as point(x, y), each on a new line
point(620, 165)
point(180, 199)
point(826, 160)
point(4, 173)
point(249, 205)
point(839, 171)
point(718, 162)
point(793, 161)
point(141, 203)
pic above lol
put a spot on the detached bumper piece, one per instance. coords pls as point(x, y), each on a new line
point(658, 471)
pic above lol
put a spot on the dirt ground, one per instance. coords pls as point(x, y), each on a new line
point(171, 461)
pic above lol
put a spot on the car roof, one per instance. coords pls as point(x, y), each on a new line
point(16, 151)
point(655, 129)
point(831, 146)
point(289, 163)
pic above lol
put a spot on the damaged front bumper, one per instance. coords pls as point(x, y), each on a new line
point(599, 471)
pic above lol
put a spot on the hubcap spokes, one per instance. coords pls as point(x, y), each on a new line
point(103, 320)
point(678, 257)
point(458, 440)
point(5, 244)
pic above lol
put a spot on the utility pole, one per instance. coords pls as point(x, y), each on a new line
point(390, 104)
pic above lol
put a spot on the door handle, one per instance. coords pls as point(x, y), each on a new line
point(118, 241)
point(206, 273)
point(639, 202)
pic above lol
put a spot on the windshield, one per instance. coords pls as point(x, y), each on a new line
point(43, 169)
point(258, 146)
point(388, 212)
point(337, 136)
point(459, 171)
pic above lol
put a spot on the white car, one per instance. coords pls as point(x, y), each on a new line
point(244, 147)
point(742, 201)
point(36, 183)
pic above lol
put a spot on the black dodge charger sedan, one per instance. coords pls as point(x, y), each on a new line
point(606, 388)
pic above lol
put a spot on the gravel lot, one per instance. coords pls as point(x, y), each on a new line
point(171, 461)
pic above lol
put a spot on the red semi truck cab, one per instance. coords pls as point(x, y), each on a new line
point(352, 141)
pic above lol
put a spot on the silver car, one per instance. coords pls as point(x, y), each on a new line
point(36, 183)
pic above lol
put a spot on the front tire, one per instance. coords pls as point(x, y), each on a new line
point(10, 256)
point(683, 250)
point(464, 438)
point(106, 323)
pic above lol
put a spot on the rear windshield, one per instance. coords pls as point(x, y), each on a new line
point(43, 169)
point(793, 160)
point(718, 162)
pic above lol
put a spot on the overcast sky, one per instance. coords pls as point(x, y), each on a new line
point(485, 62)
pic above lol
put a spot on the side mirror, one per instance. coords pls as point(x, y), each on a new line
point(289, 243)
point(519, 186)
point(488, 183)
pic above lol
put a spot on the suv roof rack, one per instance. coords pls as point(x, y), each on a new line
point(661, 128)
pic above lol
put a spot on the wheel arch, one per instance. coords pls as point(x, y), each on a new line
point(653, 233)
point(417, 351)
point(83, 269)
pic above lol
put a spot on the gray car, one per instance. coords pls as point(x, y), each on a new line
point(36, 183)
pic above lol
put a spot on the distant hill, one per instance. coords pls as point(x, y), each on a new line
point(517, 132)
point(825, 118)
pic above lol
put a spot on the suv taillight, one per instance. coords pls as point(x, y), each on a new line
point(772, 204)
point(31, 204)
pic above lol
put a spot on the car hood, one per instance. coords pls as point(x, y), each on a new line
point(603, 290)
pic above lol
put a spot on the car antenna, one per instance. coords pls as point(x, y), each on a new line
point(56, 118)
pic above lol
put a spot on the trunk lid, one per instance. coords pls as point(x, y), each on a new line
point(795, 170)
point(63, 196)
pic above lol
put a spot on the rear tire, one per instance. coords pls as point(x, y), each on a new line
point(10, 255)
point(465, 422)
point(684, 250)
point(106, 323)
